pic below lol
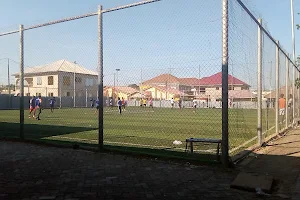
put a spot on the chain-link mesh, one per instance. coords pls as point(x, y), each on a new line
point(167, 72)
point(61, 62)
point(242, 91)
point(268, 85)
point(162, 78)
point(9, 112)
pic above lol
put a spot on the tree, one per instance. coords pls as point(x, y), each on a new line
point(135, 86)
point(297, 81)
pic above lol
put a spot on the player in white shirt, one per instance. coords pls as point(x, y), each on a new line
point(194, 105)
point(172, 103)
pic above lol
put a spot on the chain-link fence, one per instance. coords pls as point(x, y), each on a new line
point(149, 82)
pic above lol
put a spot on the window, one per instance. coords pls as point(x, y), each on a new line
point(202, 90)
point(89, 82)
point(28, 94)
point(68, 94)
point(38, 94)
point(217, 88)
point(50, 94)
point(66, 80)
point(50, 80)
point(39, 80)
point(230, 87)
point(78, 79)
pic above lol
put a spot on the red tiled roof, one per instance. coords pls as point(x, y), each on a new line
point(189, 81)
point(163, 78)
point(216, 79)
point(124, 89)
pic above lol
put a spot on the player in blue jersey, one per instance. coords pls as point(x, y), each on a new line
point(52, 102)
point(38, 107)
point(97, 105)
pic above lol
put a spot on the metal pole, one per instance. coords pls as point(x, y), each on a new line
point(118, 80)
point(86, 98)
point(100, 77)
point(74, 85)
point(141, 85)
point(60, 85)
point(259, 85)
point(21, 30)
point(8, 74)
point(277, 90)
point(225, 145)
point(294, 57)
point(293, 30)
point(114, 89)
point(286, 92)
point(8, 81)
point(199, 81)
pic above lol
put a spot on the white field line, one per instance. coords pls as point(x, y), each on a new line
point(111, 111)
point(131, 144)
point(247, 142)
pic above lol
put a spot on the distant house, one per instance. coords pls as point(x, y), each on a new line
point(206, 88)
point(60, 78)
point(168, 81)
point(282, 90)
point(163, 93)
point(120, 91)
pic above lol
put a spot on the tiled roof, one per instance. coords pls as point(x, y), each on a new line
point(124, 89)
point(163, 78)
point(216, 79)
point(59, 66)
point(189, 81)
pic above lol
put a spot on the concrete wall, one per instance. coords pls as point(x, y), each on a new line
point(13, 102)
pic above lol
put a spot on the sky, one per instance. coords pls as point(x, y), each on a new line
point(171, 36)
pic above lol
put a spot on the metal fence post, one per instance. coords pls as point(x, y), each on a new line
point(86, 98)
point(21, 29)
point(60, 100)
point(259, 84)
point(286, 92)
point(277, 90)
point(225, 145)
point(100, 77)
point(293, 91)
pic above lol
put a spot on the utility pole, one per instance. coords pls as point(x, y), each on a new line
point(74, 85)
point(8, 74)
point(141, 82)
point(294, 59)
point(199, 81)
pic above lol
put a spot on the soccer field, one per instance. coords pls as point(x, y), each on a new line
point(138, 127)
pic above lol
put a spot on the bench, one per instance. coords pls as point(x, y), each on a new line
point(203, 140)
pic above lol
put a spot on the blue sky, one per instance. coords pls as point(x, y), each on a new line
point(171, 36)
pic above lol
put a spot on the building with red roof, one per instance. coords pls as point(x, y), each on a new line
point(205, 88)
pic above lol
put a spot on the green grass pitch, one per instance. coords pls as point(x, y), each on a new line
point(138, 127)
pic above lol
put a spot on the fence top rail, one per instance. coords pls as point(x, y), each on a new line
point(9, 32)
point(266, 32)
point(81, 16)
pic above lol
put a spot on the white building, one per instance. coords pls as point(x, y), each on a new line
point(61, 79)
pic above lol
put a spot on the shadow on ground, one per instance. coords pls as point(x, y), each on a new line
point(38, 131)
point(280, 159)
point(50, 135)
